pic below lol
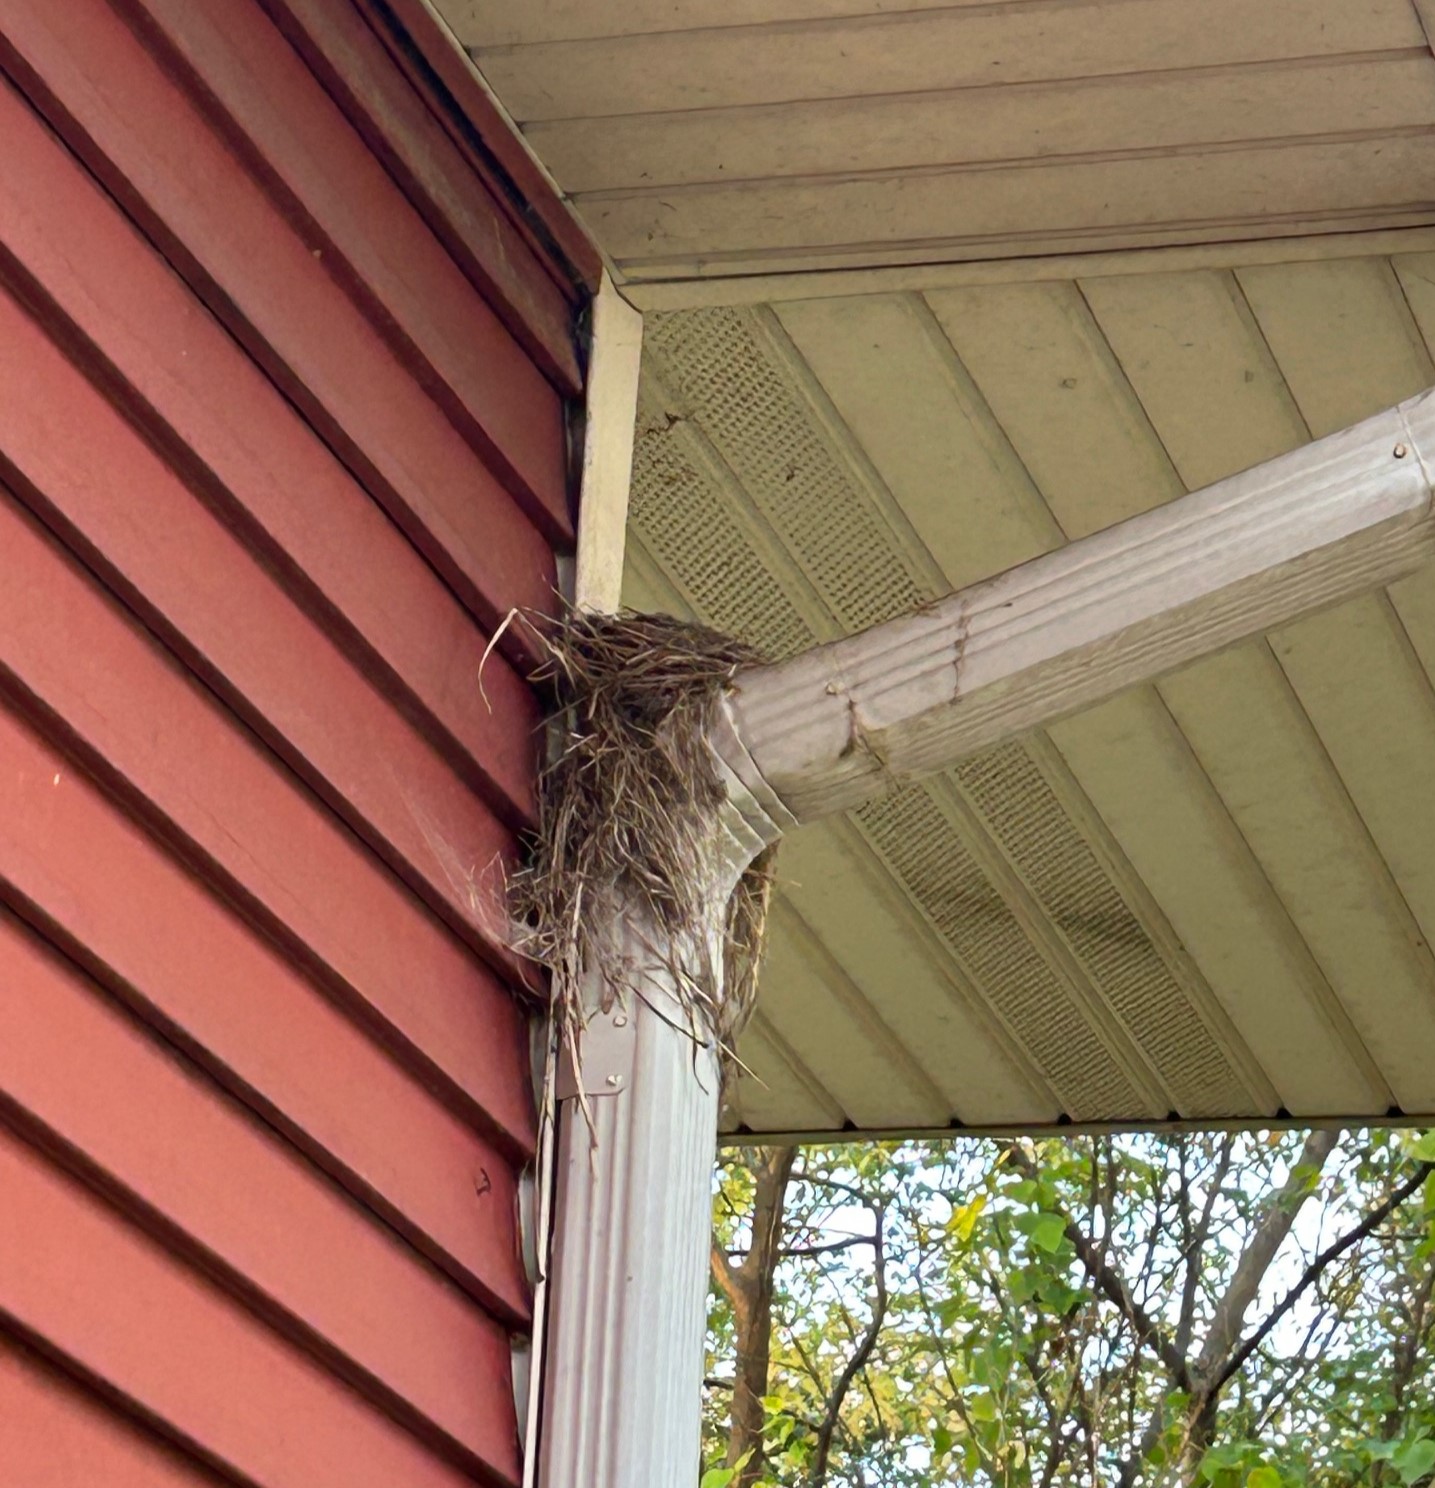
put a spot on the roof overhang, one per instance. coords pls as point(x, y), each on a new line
point(931, 291)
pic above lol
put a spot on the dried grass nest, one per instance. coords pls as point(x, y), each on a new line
point(626, 808)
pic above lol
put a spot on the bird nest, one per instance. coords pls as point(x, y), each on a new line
point(628, 817)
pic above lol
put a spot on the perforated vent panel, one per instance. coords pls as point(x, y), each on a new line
point(691, 530)
point(1060, 868)
point(914, 840)
point(729, 381)
point(750, 497)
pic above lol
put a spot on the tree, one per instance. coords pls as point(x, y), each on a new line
point(747, 1285)
point(1222, 1309)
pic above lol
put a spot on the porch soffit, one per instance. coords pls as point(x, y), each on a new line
point(725, 137)
point(1207, 900)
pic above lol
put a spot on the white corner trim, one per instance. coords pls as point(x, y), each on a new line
point(610, 418)
point(846, 721)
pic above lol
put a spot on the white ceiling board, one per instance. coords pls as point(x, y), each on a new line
point(1245, 724)
point(501, 22)
point(844, 1042)
point(1414, 597)
point(988, 212)
point(1076, 877)
point(1369, 698)
point(907, 52)
point(1012, 974)
point(1140, 773)
point(1189, 347)
point(1050, 376)
point(891, 374)
point(777, 1092)
point(1053, 923)
point(1017, 955)
point(1345, 338)
point(1343, 335)
point(1256, 744)
point(882, 944)
point(1051, 380)
point(905, 133)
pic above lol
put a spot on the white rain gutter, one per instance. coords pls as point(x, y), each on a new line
point(627, 1285)
point(852, 719)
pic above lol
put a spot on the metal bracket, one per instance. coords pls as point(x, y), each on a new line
point(608, 1049)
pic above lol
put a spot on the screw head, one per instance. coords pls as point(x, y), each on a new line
point(1401, 452)
point(615, 1080)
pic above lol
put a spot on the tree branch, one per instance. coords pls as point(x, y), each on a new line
point(725, 1274)
point(1112, 1285)
point(1199, 1236)
point(863, 1351)
point(1255, 1260)
point(1312, 1272)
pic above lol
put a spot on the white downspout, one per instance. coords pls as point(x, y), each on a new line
point(627, 1285)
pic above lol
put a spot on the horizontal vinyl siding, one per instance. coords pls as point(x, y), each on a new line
point(284, 393)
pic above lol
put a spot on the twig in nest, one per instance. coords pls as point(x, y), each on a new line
point(628, 811)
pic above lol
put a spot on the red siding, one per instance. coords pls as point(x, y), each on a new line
point(283, 410)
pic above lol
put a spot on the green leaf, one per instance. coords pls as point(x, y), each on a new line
point(964, 1219)
point(1423, 1148)
point(718, 1477)
point(1414, 1460)
point(1263, 1477)
point(1216, 1460)
point(1060, 1297)
point(982, 1408)
point(942, 1440)
point(1048, 1232)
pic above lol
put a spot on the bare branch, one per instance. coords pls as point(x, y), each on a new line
point(1199, 1236)
point(1312, 1272)
point(1255, 1260)
point(725, 1274)
point(863, 1351)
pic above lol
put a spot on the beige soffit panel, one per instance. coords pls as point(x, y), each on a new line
point(1210, 898)
point(776, 136)
point(1044, 268)
point(730, 66)
point(1055, 384)
point(501, 23)
point(1040, 121)
point(1196, 357)
point(1027, 914)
